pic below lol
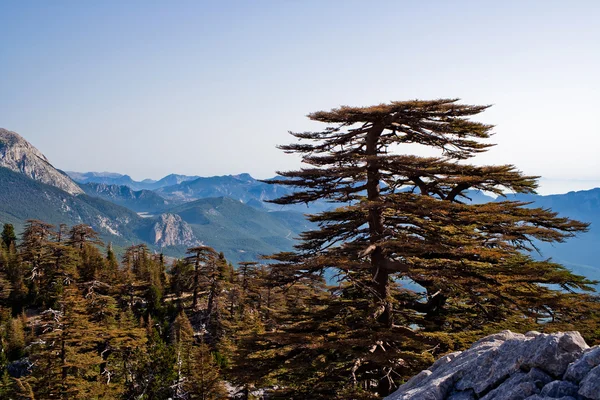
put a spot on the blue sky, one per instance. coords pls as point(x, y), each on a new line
point(209, 88)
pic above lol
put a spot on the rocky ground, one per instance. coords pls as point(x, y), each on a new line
point(510, 366)
point(18, 155)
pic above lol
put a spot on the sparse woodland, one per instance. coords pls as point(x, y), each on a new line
point(330, 320)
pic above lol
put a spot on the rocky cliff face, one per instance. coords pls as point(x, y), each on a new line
point(19, 155)
point(171, 230)
point(509, 366)
point(140, 201)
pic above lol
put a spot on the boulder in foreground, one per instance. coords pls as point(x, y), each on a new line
point(511, 366)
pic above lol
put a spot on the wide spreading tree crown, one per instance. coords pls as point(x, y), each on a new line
point(397, 215)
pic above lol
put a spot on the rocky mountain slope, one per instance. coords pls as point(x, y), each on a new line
point(242, 187)
point(579, 254)
point(183, 188)
point(85, 177)
point(171, 230)
point(19, 155)
point(172, 179)
point(22, 198)
point(145, 201)
point(510, 366)
point(242, 232)
point(225, 227)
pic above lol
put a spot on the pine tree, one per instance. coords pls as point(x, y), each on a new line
point(36, 251)
point(205, 382)
point(15, 336)
point(61, 233)
point(405, 216)
point(247, 276)
point(136, 261)
point(5, 283)
point(216, 276)
point(203, 258)
point(182, 275)
point(111, 271)
point(93, 264)
point(81, 234)
point(121, 350)
point(182, 337)
point(155, 372)
point(15, 272)
point(144, 278)
point(67, 361)
point(8, 235)
point(18, 389)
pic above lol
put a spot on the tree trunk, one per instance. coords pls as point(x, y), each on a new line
point(268, 314)
point(379, 272)
point(64, 368)
point(196, 282)
point(210, 308)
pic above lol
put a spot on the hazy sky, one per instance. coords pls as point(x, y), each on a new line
point(149, 88)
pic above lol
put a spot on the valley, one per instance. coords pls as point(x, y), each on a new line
point(229, 213)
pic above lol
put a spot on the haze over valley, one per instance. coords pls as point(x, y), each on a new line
point(300, 200)
point(228, 212)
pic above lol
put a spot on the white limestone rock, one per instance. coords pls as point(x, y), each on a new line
point(20, 156)
point(581, 367)
point(171, 230)
point(511, 366)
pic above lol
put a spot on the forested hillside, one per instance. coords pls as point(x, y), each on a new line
point(178, 306)
point(242, 232)
point(76, 323)
point(22, 198)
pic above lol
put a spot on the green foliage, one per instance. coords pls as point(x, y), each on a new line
point(96, 327)
point(99, 329)
point(8, 235)
point(66, 354)
point(15, 339)
point(205, 381)
point(84, 337)
point(234, 227)
point(23, 199)
point(155, 372)
point(402, 216)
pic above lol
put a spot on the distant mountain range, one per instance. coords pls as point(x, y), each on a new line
point(582, 253)
point(113, 178)
point(177, 189)
point(142, 201)
point(226, 212)
point(241, 231)
point(32, 188)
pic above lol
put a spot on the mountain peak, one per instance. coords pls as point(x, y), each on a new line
point(175, 179)
point(171, 230)
point(244, 177)
point(18, 155)
point(12, 140)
